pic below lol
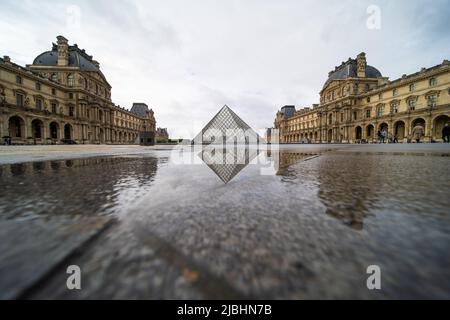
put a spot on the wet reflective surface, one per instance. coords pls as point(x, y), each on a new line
point(296, 222)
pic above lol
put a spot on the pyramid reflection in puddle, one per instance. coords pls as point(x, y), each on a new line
point(227, 162)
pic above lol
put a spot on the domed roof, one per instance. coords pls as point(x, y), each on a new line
point(77, 58)
point(349, 70)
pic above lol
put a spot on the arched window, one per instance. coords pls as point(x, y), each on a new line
point(70, 80)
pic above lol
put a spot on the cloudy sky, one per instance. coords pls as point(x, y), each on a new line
point(186, 59)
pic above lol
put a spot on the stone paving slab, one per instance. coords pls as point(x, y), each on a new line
point(31, 248)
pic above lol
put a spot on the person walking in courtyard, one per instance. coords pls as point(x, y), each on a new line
point(383, 135)
point(446, 133)
point(418, 133)
point(396, 138)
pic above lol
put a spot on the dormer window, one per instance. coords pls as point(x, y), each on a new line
point(54, 77)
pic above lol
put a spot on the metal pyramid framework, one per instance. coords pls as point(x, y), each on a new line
point(226, 126)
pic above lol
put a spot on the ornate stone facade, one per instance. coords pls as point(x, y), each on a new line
point(162, 135)
point(63, 97)
point(357, 101)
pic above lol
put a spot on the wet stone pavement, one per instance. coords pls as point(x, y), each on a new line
point(298, 222)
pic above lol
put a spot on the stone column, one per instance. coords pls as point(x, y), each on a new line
point(45, 131)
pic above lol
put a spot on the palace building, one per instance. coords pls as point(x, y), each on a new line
point(356, 102)
point(63, 97)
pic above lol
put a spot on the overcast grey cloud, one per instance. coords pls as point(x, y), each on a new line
point(186, 59)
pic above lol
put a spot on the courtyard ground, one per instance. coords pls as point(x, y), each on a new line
point(298, 222)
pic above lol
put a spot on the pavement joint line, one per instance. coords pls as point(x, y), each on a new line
point(33, 287)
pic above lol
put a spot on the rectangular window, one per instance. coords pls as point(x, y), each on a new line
point(38, 86)
point(355, 115)
point(380, 111)
point(53, 91)
point(368, 113)
point(412, 87)
point(394, 107)
point(412, 104)
point(432, 100)
point(18, 79)
point(19, 99)
point(394, 92)
point(38, 104)
point(71, 111)
point(53, 107)
point(70, 95)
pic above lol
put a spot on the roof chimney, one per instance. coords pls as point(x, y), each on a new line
point(63, 51)
point(361, 65)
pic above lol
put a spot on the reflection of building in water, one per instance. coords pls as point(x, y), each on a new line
point(226, 127)
point(79, 186)
point(284, 159)
point(227, 162)
point(346, 194)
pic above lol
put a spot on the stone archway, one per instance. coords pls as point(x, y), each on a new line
point(370, 132)
point(102, 135)
point(384, 126)
point(54, 128)
point(16, 127)
point(330, 135)
point(67, 131)
point(438, 124)
point(399, 130)
point(36, 129)
point(358, 133)
point(418, 122)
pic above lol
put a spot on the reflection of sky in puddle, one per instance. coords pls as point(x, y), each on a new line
point(317, 208)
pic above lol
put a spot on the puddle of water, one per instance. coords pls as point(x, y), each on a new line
point(334, 212)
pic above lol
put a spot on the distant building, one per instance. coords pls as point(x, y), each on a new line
point(147, 128)
point(63, 97)
point(162, 135)
point(356, 102)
